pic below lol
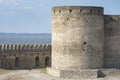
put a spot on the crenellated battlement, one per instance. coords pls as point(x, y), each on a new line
point(24, 47)
point(24, 56)
point(112, 19)
point(77, 9)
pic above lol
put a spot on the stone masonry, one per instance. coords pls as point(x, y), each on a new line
point(18, 56)
point(84, 42)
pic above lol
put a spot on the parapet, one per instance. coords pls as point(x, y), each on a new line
point(112, 19)
point(24, 47)
point(77, 9)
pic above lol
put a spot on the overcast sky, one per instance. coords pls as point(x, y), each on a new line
point(34, 16)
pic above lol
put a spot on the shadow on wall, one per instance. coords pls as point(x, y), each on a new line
point(17, 62)
point(37, 62)
point(47, 62)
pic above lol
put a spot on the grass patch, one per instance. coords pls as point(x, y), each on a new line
point(4, 71)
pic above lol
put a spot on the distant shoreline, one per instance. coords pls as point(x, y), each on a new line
point(25, 38)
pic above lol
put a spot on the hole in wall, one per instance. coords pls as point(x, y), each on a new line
point(17, 62)
point(90, 10)
point(70, 10)
point(83, 50)
point(59, 11)
point(111, 19)
point(37, 62)
point(54, 12)
point(80, 10)
point(118, 19)
point(67, 18)
point(84, 43)
point(98, 11)
point(47, 61)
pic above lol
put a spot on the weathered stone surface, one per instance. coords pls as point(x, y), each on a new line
point(77, 37)
point(84, 38)
point(112, 41)
point(18, 56)
point(83, 41)
point(86, 73)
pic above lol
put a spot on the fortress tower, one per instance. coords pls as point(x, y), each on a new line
point(85, 43)
point(77, 41)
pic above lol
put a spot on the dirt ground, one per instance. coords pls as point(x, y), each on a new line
point(37, 74)
point(23, 75)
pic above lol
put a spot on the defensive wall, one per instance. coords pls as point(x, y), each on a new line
point(85, 42)
point(25, 56)
point(112, 41)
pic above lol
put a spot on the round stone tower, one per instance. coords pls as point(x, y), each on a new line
point(77, 38)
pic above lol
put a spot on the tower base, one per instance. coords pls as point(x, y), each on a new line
point(89, 73)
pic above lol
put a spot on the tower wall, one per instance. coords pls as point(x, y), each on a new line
point(77, 37)
point(112, 41)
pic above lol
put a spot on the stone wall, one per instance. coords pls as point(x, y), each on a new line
point(77, 37)
point(25, 56)
point(112, 41)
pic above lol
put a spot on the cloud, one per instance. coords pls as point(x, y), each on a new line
point(14, 4)
point(10, 2)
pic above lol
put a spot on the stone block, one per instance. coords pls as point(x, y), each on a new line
point(87, 73)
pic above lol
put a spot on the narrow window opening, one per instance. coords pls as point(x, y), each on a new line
point(59, 11)
point(80, 10)
point(54, 12)
point(84, 43)
point(98, 11)
point(37, 62)
point(47, 61)
point(83, 50)
point(90, 10)
point(110, 18)
point(70, 11)
point(118, 19)
point(67, 18)
point(17, 62)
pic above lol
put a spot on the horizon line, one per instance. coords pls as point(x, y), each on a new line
point(23, 33)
